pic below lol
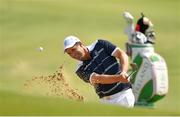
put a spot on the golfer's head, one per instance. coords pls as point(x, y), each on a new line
point(74, 47)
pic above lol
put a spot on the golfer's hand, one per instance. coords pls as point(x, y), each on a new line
point(94, 79)
point(124, 77)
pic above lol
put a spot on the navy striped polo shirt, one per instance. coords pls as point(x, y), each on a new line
point(102, 62)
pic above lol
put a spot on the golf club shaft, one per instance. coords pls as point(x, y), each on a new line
point(132, 73)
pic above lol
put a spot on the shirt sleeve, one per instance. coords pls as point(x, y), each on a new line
point(108, 46)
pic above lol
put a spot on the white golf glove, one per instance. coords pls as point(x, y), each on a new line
point(128, 17)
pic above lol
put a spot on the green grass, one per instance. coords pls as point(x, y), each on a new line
point(27, 24)
point(29, 105)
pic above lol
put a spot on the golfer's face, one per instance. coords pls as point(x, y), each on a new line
point(76, 51)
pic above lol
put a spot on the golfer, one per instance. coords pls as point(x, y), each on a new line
point(98, 66)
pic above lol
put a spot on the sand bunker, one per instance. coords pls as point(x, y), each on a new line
point(56, 85)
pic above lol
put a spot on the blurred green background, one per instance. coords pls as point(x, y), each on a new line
point(26, 25)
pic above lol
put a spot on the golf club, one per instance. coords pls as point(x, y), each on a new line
point(134, 70)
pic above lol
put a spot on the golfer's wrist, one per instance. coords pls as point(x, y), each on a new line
point(91, 76)
point(123, 72)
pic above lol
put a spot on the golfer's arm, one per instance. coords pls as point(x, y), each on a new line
point(123, 59)
point(107, 79)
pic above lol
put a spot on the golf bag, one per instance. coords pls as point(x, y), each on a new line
point(150, 82)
